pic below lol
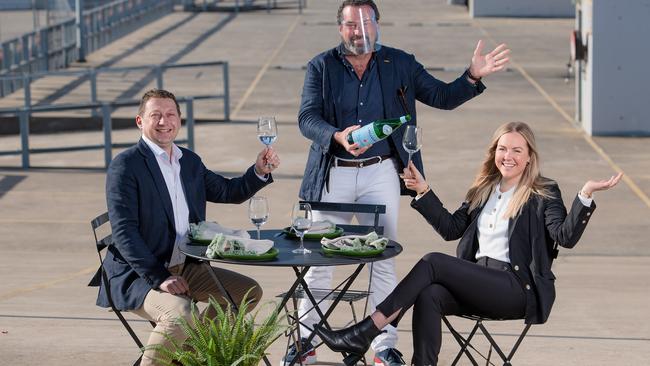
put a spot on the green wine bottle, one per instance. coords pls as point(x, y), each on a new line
point(376, 131)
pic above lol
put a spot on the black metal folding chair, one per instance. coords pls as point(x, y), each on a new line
point(350, 296)
point(100, 275)
point(465, 343)
point(374, 209)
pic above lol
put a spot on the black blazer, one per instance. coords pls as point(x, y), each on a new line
point(142, 220)
point(532, 234)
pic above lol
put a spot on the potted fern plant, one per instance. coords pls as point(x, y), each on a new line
point(228, 339)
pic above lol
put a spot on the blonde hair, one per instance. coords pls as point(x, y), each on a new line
point(488, 176)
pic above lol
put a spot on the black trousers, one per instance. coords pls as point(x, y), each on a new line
point(439, 285)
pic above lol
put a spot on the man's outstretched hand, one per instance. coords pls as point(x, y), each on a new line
point(483, 65)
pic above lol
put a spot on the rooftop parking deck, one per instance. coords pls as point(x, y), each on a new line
point(48, 316)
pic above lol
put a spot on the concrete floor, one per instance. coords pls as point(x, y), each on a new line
point(48, 316)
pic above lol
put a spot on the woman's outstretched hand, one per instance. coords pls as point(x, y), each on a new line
point(600, 185)
point(413, 179)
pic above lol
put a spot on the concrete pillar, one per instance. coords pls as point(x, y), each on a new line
point(612, 80)
point(522, 8)
point(81, 31)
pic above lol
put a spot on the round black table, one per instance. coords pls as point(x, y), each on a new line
point(286, 258)
point(300, 264)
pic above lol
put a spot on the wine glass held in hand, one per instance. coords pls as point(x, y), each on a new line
point(412, 140)
point(258, 212)
point(301, 220)
point(267, 130)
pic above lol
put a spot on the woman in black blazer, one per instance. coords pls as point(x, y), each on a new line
point(507, 226)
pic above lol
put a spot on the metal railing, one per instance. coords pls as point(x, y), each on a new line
point(272, 4)
point(240, 5)
point(56, 47)
point(109, 22)
point(158, 71)
point(106, 112)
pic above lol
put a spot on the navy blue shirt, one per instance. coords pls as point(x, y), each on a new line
point(361, 104)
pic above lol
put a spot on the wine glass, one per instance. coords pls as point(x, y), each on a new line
point(301, 219)
point(412, 140)
point(258, 212)
point(267, 132)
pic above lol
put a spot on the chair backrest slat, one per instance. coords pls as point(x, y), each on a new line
point(375, 209)
point(103, 243)
point(99, 220)
point(347, 207)
point(96, 223)
point(361, 229)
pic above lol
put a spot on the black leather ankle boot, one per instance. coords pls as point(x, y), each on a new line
point(355, 339)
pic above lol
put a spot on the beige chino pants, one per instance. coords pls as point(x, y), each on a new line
point(165, 309)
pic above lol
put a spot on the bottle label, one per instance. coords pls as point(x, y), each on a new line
point(365, 135)
point(387, 130)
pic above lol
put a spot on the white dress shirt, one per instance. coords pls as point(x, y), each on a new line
point(171, 171)
point(493, 227)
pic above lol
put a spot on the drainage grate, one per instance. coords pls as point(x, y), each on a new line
point(392, 24)
point(458, 69)
point(420, 24)
point(334, 24)
point(453, 24)
point(319, 24)
point(295, 67)
point(289, 67)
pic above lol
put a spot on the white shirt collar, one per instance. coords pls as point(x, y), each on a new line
point(177, 153)
point(508, 193)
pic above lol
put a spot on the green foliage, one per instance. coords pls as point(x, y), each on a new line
point(230, 339)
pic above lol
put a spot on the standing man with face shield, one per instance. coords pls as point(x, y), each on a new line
point(349, 86)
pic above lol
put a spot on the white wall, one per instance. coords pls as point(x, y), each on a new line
point(616, 82)
point(522, 8)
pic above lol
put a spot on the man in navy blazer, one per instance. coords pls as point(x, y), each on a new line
point(354, 84)
point(153, 191)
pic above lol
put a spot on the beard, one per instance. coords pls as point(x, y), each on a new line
point(359, 48)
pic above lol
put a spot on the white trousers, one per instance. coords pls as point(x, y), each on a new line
point(374, 184)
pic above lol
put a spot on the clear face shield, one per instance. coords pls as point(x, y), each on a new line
point(359, 31)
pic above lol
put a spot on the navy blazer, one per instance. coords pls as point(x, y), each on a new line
point(142, 220)
point(532, 234)
point(320, 113)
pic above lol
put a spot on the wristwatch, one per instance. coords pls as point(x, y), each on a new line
point(472, 77)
